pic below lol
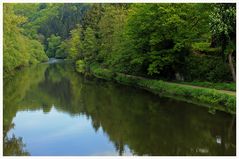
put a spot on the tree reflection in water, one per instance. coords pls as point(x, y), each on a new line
point(13, 146)
point(147, 124)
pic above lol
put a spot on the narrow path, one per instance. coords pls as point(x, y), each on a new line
point(222, 91)
point(233, 93)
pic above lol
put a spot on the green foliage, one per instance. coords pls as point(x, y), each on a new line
point(14, 147)
point(79, 48)
point(18, 49)
point(219, 86)
point(62, 51)
point(36, 51)
point(150, 40)
point(223, 23)
point(80, 66)
point(154, 46)
point(102, 72)
point(46, 19)
point(206, 68)
point(204, 47)
point(223, 28)
point(38, 18)
point(127, 79)
point(111, 30)
point(15, 54)
point(89, 46)
point(75, 45)
point(135, 39)
point(92, 16)
point(54, 43)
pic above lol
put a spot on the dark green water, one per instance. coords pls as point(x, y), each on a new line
point(51, 110)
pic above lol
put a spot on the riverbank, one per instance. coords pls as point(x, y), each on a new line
point(211, 98)
point(230, 87)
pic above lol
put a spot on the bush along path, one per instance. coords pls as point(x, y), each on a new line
point(211, 98)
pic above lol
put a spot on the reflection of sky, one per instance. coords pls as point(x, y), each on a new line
point(59, 134)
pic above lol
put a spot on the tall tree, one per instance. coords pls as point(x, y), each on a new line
point(111, 28)
point(161, 35)
point(89, 46)
point(18, 50)
point(223, 27)
point(53, 45)
point(75, 44)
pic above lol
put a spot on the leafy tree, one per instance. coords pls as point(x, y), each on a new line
point(75, 44)
point(89, 46)
point(15, 54)
point(53, 45)
point(62, 51)
point(36, 51)
point(48, 19)
point(223, 27)
point(19, 50)
point(161, 34)
point(38, 18)
point(92, 16)
point(14, 147)
point(111, 27)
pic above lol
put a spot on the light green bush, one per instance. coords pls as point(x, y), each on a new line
point(80, 66)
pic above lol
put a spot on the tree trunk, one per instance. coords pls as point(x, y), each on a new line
point(232, 67)
point(179, 77)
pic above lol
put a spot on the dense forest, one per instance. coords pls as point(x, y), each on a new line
point(184, 42)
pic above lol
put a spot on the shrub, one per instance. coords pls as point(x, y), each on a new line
point(206, 68)
point(80, 66)
point(204, 47)
point(102, 73)
point(126, 79)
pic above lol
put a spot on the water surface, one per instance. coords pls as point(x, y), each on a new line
point(49, 109)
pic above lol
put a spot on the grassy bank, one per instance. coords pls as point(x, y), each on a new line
point(203, 96)
point(218, 86)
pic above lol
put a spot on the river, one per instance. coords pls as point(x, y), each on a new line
point(50, 110)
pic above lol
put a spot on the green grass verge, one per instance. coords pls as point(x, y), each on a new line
point(201, 95)
point(102, 72)
point(219, 86)
point(204, 96)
